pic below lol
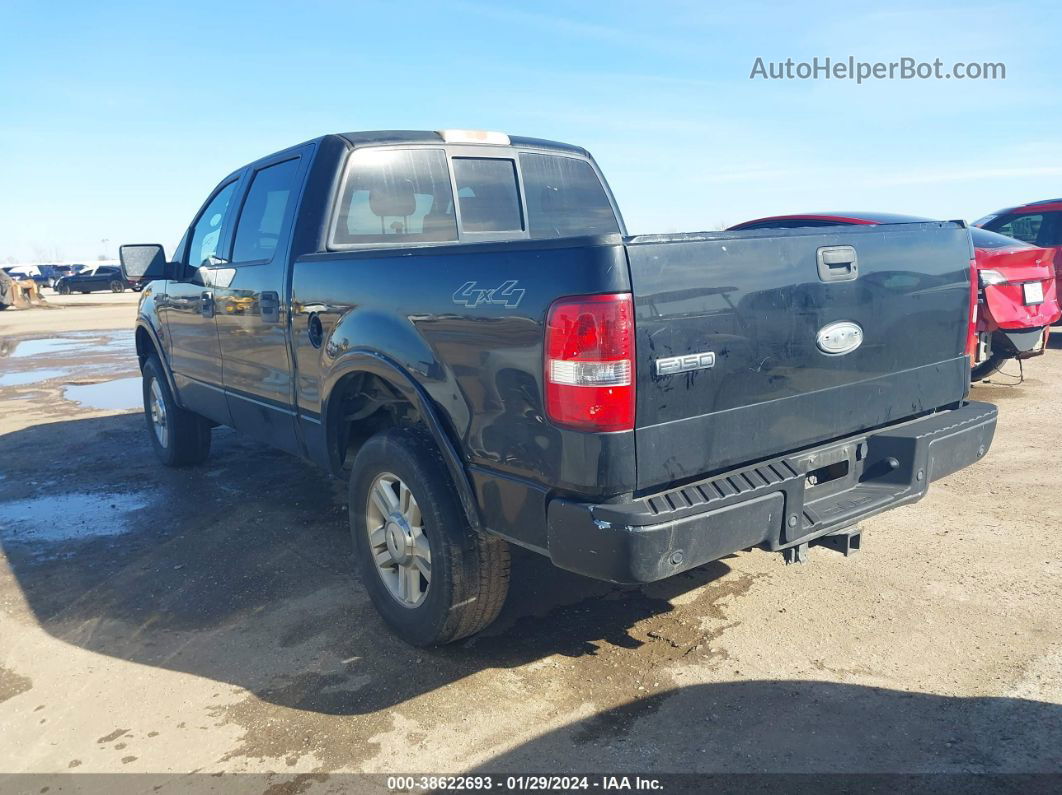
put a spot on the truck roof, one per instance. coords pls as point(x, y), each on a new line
point(377, 137)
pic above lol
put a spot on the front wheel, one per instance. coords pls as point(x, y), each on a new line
point(179, 437)
point(117, 287)
point(64, 289)
point(430, 575)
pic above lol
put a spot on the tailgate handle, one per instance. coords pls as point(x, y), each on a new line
point(838, 263)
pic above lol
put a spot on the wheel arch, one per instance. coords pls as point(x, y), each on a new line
point(148, 344)
point(359, 364)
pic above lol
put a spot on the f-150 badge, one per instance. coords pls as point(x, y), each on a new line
point(674, 365)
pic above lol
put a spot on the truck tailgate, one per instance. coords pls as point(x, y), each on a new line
point(757, 302)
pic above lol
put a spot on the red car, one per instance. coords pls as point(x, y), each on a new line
point(1036, 223)
point(1016, 301)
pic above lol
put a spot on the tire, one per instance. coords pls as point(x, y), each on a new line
point(469, 571)
point(64, 289)
point(183, 437)
point(986, 368)
point(117, 287)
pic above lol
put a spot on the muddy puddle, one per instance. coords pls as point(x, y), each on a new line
point(69, 517)
point(27, 377)
point(118, 343)
point(121, 393)
point(20, 349)
point(98, 369)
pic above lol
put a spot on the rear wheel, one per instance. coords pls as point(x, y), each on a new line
point(430, 575)
point(117, 287)
point(179, 437)
point(989, 366)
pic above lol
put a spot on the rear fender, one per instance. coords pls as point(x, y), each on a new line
point(375, 363)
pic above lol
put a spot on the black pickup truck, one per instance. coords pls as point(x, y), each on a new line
point(460, 320)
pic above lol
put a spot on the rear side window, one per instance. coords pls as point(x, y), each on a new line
point(396, 196)
point(565, 198)
point(1040, 229)
point(1023, 227)
point(266, 210)
point(486, 189)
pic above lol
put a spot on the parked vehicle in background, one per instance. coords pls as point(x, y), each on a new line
point(25, 272)
point(53, 273)
point(1018, 300)
point(1037, 223)
point(19, 287)
point(8, 290)
point(1017, 290)
point(460, 318)
point(105, 277)
point(40, 279)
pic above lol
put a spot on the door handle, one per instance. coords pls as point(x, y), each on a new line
point(269, 305)
point(837, 263)
point(206, 303)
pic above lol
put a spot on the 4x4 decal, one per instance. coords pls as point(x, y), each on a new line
point(506, 294)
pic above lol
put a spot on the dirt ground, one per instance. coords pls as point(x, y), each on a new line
point(209, 620)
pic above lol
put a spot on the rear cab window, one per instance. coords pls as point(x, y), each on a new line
point(487, 194)
point(395, 196)
point(418, 195)
point(565, 197)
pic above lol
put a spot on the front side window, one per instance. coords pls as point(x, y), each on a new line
point(269, 203)
point(486, 189)
point(565, 197)
point(206, 233)
point(396, 196)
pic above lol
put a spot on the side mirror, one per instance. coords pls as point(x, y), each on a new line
point(143, 262)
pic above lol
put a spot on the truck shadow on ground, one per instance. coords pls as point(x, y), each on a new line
point(794, 727)
point(241, 571)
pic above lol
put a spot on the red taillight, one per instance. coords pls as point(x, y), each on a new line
point(971, 331)
point(590, 363)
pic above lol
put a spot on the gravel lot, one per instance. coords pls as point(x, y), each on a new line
point(161, 621)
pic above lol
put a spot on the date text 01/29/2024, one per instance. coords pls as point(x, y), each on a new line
point(529, 783)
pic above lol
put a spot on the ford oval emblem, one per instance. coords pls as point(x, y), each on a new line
point(840, 338)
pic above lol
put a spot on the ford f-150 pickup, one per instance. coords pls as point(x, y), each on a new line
point(460, 321)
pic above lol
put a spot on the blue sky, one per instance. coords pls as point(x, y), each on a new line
point(118, 118)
